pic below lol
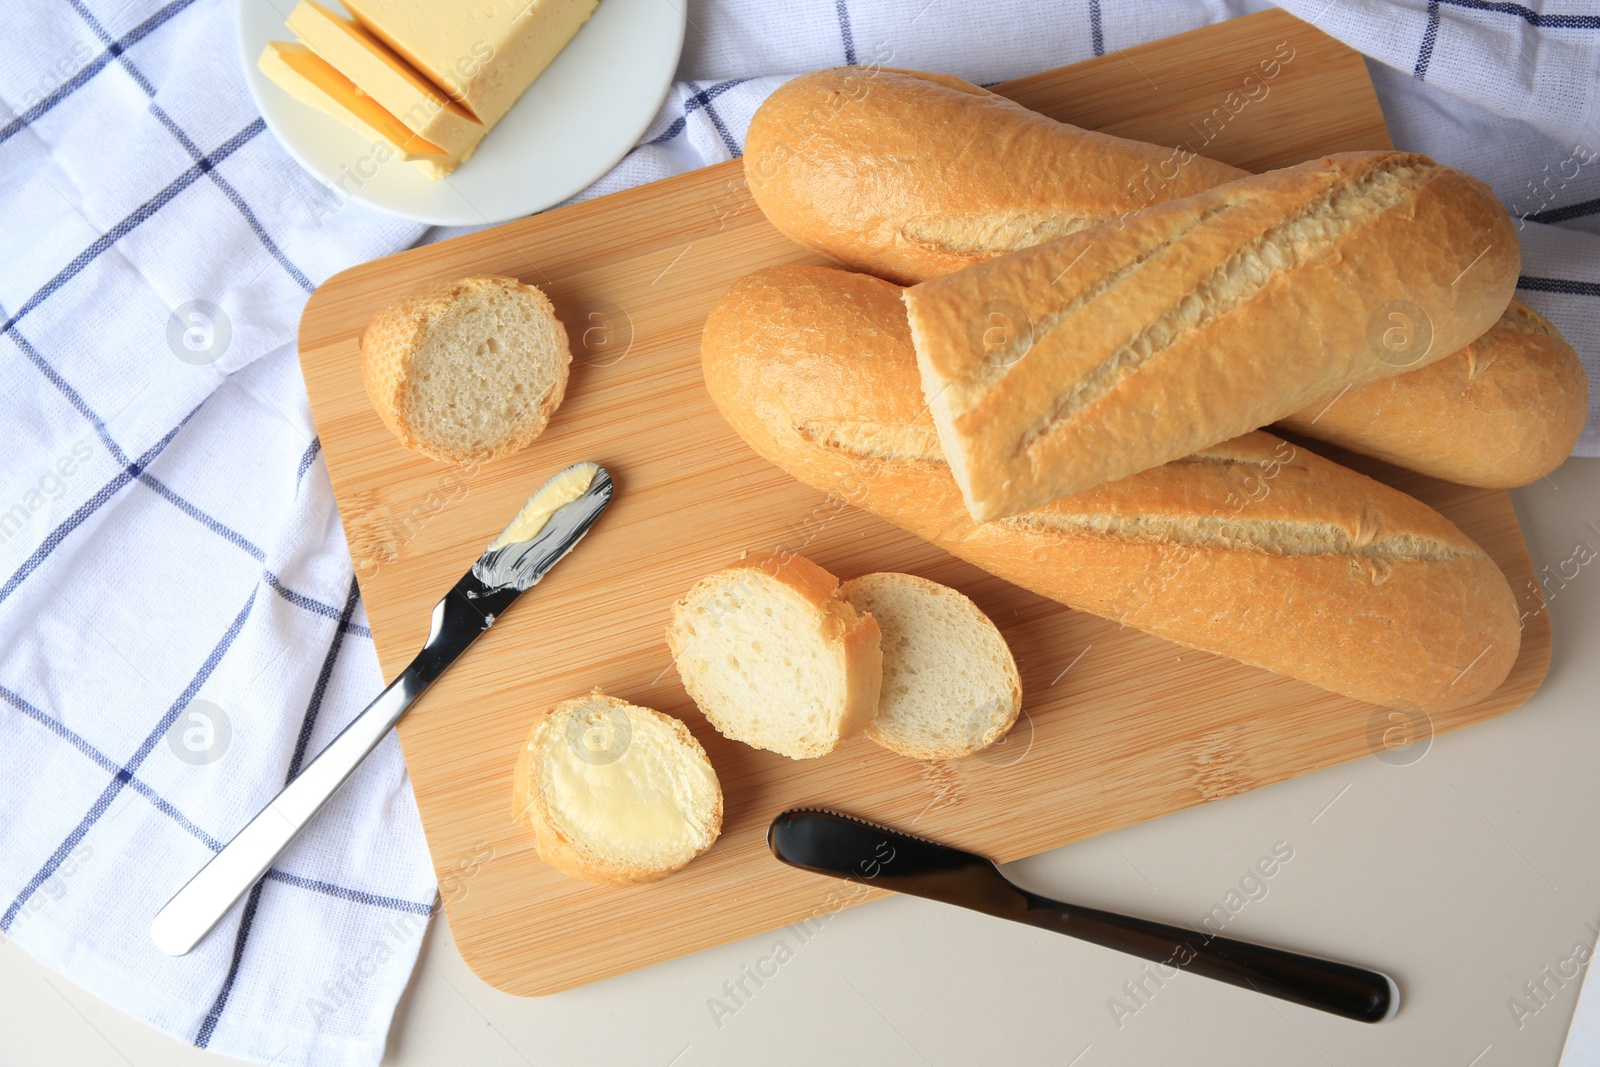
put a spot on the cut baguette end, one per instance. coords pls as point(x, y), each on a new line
point(616, 793)
point(950, 684)
point(775, 657)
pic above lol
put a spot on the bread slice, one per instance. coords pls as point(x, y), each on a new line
point(616, 793)
point(950, 686)
point(467, 370)
point(775, 657)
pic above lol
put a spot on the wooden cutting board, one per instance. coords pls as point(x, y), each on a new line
point(1118, 726)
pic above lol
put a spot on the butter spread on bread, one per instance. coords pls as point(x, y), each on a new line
point(616, 793)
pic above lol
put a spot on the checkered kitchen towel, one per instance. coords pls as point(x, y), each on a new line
point(179, 625)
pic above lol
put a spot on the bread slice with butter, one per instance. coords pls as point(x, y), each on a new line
point(950, 684)
point(616, 793)
point(775, 657)
point(465, 371)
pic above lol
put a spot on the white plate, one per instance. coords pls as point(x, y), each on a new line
point(584, 113)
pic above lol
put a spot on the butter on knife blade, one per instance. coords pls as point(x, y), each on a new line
point(559, 491)
point(504, 562)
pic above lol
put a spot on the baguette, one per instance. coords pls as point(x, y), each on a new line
point(912, 176)
point(1128, 345)
point(1252, 549)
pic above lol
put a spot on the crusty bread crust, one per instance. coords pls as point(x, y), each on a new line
point(857, 632)
point(530, 803)
point(391, 339)
point(911, 175)
point(1502, 412)
point(1203, 318)
point(1252, 549)
point(849, 161)
point(854, 635)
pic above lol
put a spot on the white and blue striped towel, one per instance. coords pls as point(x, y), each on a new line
point(179, 624)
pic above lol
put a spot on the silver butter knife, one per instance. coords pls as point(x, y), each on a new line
point(546, 529)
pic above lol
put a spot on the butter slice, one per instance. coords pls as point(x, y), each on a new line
point(388, 79)
point(484, 53)
point(558, 492)
point(310, 79)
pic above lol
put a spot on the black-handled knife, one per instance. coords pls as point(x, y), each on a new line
point(845, 847)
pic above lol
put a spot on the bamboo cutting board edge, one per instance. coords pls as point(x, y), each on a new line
point(526, 932)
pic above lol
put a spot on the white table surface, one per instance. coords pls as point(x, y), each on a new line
point(1461, 874)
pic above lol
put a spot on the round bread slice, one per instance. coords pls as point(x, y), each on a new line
point(950, 686)
point(616, 793)
point(468, 370)
point(775, 657)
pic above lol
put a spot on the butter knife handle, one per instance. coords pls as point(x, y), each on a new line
point(1327, 985)
point(464, 613)
point(206, 898)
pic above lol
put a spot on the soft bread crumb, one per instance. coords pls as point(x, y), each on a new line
point(775, 658)
point(616, 793)
point(468, 370)
point(950, 685)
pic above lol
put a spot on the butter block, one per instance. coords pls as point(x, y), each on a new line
point(396, 86)
point(312, 80)
point(483, 53)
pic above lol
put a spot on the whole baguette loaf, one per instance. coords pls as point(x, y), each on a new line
point(1252, 549)
point(1113, 350)
point(840, 160)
